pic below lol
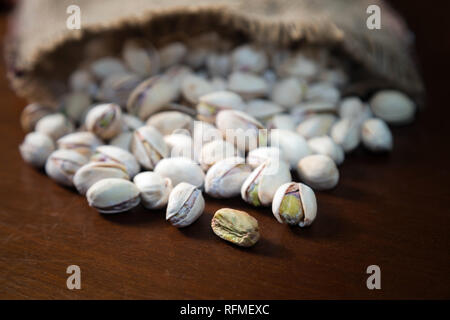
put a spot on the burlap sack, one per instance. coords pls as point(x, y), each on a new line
point(41, 51)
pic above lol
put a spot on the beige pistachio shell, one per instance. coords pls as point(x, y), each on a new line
point(262, 109)
point(351, 107)
point(155, 189)
point(148, 147)
point(261, 185)
point(259, 155)
point(107, 66)
point(62, 165)
point(193, 87)
point(295, 204)
point(225, 178)
point(180, 145)
point(118, 155)
point(281, 121)
point(116, 88)
point(323, 91)
point(104, 120)
point(214, 151)
point(203, 133)
point(393, 107)
point(36, 148)
point(288, 92)
point(318, 171)
point(82, 80)
point(130, 122)
point(210, 104)
point(54, 125)
point(218, 64)
point(309, 109)
point(237, 227)
point(140, 57)
point(297, 65)
point(376, 135)
point(172, 54)
point(169, 122)
point(31, 114)
point(316, 125)
point(249, 58)
point(181, 170)
point(93, 172)
point(83, 142)
point(123, 140)
point(293, 146)
point(346, 133)
point(113, 195)
point(185, 205)
point(248, 85)
point(326, 146)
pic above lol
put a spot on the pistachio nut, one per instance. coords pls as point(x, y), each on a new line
point(104, 120)
point(259, 155)
point(316, 125)
point(298, 65)
point(140, 57)
point(180, 145)
point(176, 75)
point(261, 185)
point(281, 121)
point(225, 178)
point(83, 81)
point(219, 84)
point(237, 227)
point(130, 122)
point(113, 195)
point(185, 205)
point(247, 85)
point(295, 204)
point(118, 155)
point(193, 87)
point(205, 132)
point(196, 57)
point(243, 130)
point(288, 92)
point(123, 140)
point(376, 136)
point(212, 103)
point(218, 64)
point(249, 58)
point(335, 76)
point(106, 66)
point(293, 146)
point(318, 171)
point(54, 125)
point(172, 54)
point(62, 165)
point(31, 114)
point(117, 87)
point(76, 105)
point(155, 190)
point(306, 110)
point(168, 122)
point(148, 147)
point(82, 142)
point(93, 172)
point(351, 107)
point(392, 106)
point(326, 146)
point(263, 110)
point(151, 96)
point(323, 91)
point(36, 148)
point(181, 170)
point(346, 133)
point(214, 151)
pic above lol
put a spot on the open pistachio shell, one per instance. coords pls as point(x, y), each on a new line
point(104, 120)
point(185, 205)
point(210, 104)
point(82, 142)
point(62, 165)
point(118, 155)
point(148, 147)
point(168, 122)
point(93, 172)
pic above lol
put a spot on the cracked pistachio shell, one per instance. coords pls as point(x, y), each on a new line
point(261, 185)
point(298, 65)
point(323, 91)
point(295, 204)
point(76, 105)
point(140, 57)
point(83, 81)
point(168, 122)
point(262, 109)
point(93, 172)
point(62, 165)
point(318, 171)
point(113, 195)
point(148, 147)
point(281, 121)
point(259, 155)
point(225, 178)
point(326, 146)
point(82, 142)
point(106, 66)
point(293, 146)
point(376, 136)
point(155, 190)
point(346, 133)
point(249, 58)
point(212, 103)
point(123, 140)
point(116, 88)
point(185, 205)
point(193, 87)
point(237, 227)
point(104, 120)
point(392, 106)
point(31, 114)
point(151, 96)
point(181, 170)
point(118, 155)
point(247, 85)
point(214, 151)
point(316, 125)
point(36, 148)
point(180, 145)
point(218, 64)
point(288, 92)
point(243, 130)
point(172, 54)
point(54, 125)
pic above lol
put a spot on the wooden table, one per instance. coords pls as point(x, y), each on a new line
point(391, 211)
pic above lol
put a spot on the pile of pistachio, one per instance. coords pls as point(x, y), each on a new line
point(158, 127)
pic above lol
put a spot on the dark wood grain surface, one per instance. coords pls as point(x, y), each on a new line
point(392, 211)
